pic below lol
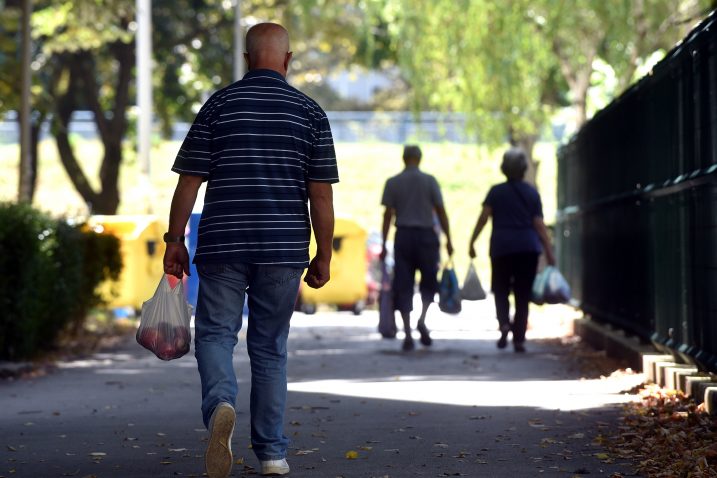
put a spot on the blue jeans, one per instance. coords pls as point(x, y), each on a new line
point(272, 293)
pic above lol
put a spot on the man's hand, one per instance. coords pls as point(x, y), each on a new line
point(318, 273)
point(176, 260)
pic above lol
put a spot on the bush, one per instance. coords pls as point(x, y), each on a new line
point(49, 273)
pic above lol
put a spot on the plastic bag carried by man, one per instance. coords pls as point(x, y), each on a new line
point(164, 326)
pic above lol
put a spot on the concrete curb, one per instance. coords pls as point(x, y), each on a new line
point(11, 370)
point(613, 341)
point(658, 368)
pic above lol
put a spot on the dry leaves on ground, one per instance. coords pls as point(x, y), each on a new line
point(666, 435)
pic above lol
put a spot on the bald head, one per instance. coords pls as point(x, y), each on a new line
point(267, 47)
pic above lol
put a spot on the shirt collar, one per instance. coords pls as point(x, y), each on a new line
point(264, 72)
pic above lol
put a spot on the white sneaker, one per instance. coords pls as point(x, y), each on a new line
point(274, 467)
point(218, 458)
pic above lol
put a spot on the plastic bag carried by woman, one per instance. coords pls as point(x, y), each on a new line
point(164, 323)
point(550, 287)
point(472, 288)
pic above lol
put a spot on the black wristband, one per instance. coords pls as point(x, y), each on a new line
point(171, 239)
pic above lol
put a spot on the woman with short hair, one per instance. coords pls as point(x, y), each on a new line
point(519, 236)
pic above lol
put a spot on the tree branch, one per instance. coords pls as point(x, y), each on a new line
point(92, 93)
point(124, 54)
point(64, 109)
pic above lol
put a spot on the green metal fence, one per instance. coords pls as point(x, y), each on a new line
point(637, 200)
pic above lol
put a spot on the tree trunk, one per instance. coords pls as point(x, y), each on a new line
point(578, 78)
point(527, 143)
point(65, 106)
point(109, 198)
point(28, 175)
point(83, 79)
point(27, 172)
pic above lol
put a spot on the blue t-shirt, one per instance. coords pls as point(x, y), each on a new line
point(515, 204)
point(258, 142)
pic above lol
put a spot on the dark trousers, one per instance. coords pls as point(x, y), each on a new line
point(514, 272)
point(415, 248)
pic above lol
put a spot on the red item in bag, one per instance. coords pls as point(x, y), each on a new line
point(164, 324)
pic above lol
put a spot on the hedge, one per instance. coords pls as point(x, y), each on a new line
point(49, 273)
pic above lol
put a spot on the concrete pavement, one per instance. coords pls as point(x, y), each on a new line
point(358, 407)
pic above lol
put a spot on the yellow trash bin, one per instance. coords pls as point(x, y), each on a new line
point(142, 252)
point(347, 288)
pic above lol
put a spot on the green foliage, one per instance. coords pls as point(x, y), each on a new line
point(479, 57)
point(51, 270)
point(193, 47)
point(88, 25)
point(9, 59)
point(509, 64)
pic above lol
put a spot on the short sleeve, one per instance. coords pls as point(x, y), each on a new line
point(321, 166)
point(436, 196)
point(538, 208)
point(194, 157)
point(388, 198)
point(490, 198)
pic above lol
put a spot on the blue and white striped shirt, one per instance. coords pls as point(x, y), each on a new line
point(258, 142)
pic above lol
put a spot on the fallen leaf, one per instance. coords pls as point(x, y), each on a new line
point(351, 455)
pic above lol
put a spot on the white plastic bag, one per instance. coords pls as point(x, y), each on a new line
point(472, 288)
point(550, 287)
point(164, 323)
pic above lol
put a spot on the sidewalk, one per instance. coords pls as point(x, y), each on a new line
point(459, 408)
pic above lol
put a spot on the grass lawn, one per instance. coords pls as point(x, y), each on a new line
point(465, 172)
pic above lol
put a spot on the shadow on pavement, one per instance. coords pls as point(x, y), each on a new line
point(357, 408)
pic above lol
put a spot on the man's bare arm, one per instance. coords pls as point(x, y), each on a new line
point(388, 214)
point(443, 219)
point(176, 256)
point(321, 208)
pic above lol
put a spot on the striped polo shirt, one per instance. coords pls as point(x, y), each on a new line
point(258, 142)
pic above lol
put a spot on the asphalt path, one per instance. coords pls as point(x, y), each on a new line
point(358, 407)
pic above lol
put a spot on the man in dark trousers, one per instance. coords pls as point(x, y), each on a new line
point(415, 199)
point(267, 154)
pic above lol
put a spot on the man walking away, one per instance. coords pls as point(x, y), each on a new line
point(414, 198)
point(267, 153)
